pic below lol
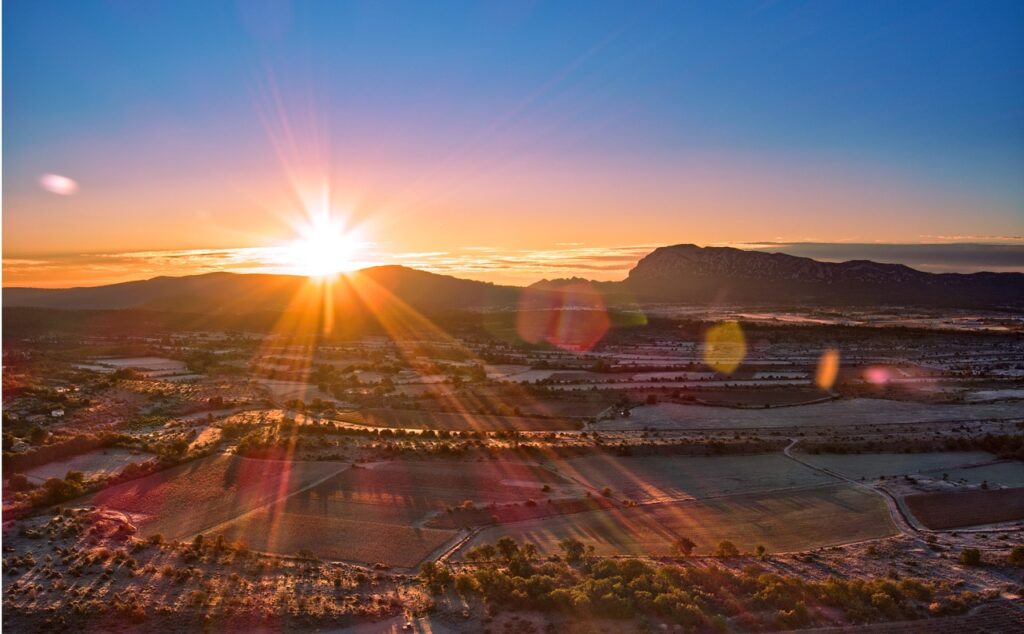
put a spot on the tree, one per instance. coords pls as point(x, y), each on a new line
point(727, 549)
point(483, 552)
point(529, 551)
point(970, 557)
point(434, 575)
point(573, 549)
point(508, 548)
point(464, 584)
point(684, 546)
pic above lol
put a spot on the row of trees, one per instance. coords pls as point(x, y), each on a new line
point(507, 575)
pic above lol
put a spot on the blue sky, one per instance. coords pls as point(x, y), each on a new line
point(897, 119)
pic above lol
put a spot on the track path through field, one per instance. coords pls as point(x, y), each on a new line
point(901, 519)
point(901, 515)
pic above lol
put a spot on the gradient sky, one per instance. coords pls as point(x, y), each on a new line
point(522, 130)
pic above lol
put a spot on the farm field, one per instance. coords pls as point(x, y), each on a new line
point(760, 396)
point(436, 484)
point(875, 465)
point(959, 509)
point(291, 390)
point(832, 413)
point(372, 514)
point(658, 478)
point(338, 538)
point(94, 464)
point(782, 522)
point(193, 497)
point(420, 419)
point(149, 366)
point(1007, 474)
point(588, 406)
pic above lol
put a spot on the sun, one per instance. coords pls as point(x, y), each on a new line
point(324, 248)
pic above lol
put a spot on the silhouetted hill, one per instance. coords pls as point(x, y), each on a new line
point(233, 293)
point(688, 273)
point(683, 273)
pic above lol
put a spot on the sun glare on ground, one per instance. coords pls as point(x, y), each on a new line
point(324, 248)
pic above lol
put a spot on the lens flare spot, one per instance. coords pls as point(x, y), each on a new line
point(828, 369)
point(570, 316)
point(725, 347)
point(876, 375)
point(57, 184)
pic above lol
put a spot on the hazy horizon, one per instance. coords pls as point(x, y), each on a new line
point(488, 265)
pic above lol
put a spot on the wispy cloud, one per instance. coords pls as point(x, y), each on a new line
point(486, 263)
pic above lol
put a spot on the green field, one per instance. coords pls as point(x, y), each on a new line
point(786, 521)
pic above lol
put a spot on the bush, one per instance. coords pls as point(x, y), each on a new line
point(1016, 557)
point(435, 575)
point(684, 546)
point(18, 482)
point(573, 549)
point(970, 557)
point(727, 549)
point(58, 490)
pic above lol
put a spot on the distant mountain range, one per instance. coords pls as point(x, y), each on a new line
point(688, 273)
point(676, 274)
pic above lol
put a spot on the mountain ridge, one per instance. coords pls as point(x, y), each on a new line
point(677, 273)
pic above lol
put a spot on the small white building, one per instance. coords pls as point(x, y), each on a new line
point(57, 413)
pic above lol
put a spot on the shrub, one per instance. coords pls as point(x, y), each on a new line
point(1016, 557)
point(727, 549)
point(684, 546)
point(970, 557)
point(58, 490)
point(464, 584)
point(434, 575)
point(18, 482)
point(573, 549)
